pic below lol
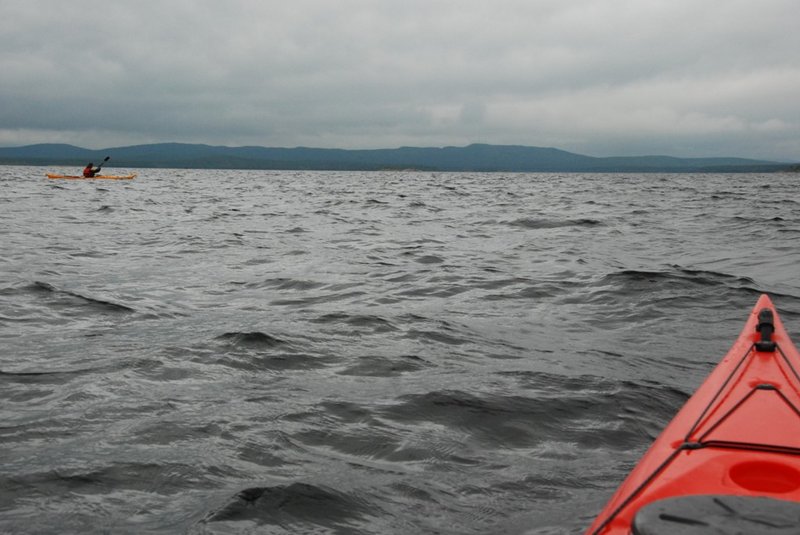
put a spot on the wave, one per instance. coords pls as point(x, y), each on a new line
point(385, 366)
point(631, 279)
point(583, 411)
point(675, 286)
point(94, 302)
point(298, 506)
point(436, 336)
point(530, 223)
point(376, 324)
point(251, 340)
point(146, 477)
point(260, 352)
point(282, 283)
point(429, 259)
point(36, 377)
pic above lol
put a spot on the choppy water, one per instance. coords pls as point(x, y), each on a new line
point(365, 353)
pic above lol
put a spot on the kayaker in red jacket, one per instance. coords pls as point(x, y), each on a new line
point(90, 170)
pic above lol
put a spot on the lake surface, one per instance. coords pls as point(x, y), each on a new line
point(363, 353)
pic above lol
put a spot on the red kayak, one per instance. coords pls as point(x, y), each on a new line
point(729, 462)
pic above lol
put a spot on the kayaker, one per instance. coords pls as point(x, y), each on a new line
point(90, 170)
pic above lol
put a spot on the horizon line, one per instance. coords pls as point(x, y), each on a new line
point(440, 147)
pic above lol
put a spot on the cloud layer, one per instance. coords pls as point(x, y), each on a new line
point(602, 77)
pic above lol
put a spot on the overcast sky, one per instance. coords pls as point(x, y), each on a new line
point(599, 77)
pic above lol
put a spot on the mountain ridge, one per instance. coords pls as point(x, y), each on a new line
point(478, 157)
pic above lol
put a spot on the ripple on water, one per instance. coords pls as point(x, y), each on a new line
point(389, 352)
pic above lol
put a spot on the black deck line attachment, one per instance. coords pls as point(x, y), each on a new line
point(766, 326)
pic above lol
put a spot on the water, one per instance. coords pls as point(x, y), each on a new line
point(367, 353)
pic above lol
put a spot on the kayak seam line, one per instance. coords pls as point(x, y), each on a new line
point(721, 389)
point(741, 402)
point(725, 416)
point(627, 501)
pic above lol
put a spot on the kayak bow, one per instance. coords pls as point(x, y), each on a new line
point(731, 454)
point(107, 177)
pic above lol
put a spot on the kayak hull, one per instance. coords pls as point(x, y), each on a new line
point(99, 177)
point(738, 435)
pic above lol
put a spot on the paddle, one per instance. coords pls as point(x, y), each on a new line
point(102, 163)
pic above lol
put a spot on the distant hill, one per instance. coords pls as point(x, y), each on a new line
point(477, 157)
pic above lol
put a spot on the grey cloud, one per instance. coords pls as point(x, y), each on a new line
point(693, 78)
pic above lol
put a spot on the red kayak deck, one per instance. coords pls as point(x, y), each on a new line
point(738, 435)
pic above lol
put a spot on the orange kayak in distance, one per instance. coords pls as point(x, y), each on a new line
point(729, 461)
point(100, 177)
